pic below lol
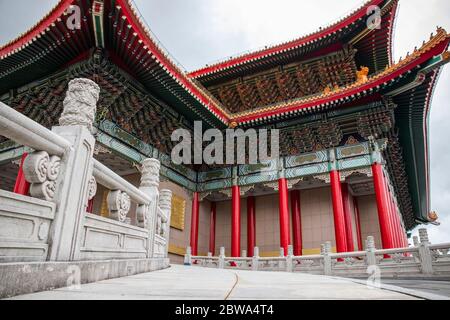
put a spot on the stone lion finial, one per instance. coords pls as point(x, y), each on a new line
point(80, 103)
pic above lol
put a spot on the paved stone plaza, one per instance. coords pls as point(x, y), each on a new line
point(181, 282)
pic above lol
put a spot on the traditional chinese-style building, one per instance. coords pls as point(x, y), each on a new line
point(353, 126)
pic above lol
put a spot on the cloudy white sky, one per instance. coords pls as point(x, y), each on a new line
point(197, 32)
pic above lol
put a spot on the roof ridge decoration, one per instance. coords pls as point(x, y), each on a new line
point(192, 86)
point(435, 40)
point(157, 53)
point(39, 28)
point(322, 32)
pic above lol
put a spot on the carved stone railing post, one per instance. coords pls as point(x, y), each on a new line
point(327, 258)
point(255, 259)
point(415, 241)
point(289, 266)
point(371, 259)
point(281, 263)
point(221, 258)
point(165, 204)
point(69, 180)
point(425, 253)
point(188, 257)
point(149, 185)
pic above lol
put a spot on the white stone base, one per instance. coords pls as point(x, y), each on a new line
point(23, 277)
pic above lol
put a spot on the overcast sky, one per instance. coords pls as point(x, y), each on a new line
point(197, 32)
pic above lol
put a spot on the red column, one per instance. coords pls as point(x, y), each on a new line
point(358, 225)
point(348, 218)
point(21, 186)
point(212, 229)
point(397, 237)
point(393, 219)
point(390, 216)
point(251, 226)
point(285, 237)
point(235, 221)
point(194, 224)
point(296, 222)
point(382, 206)
point(400, 232)
point(338, 212)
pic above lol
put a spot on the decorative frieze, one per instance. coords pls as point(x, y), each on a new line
point(323, 177)
point(366, 171)
point(246, 189)
point(292, 182)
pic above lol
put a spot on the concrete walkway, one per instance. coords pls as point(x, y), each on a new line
point(182, 282)
point(437, 287)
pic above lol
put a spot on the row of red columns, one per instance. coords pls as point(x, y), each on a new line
point(341, 210)
point(392, 233)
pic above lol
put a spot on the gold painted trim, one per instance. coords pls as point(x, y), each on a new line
point(179, 251)
point(178, 212)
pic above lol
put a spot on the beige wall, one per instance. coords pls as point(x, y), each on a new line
point(369, 219)
point(223, 226)
point(317, 219)
point(267, 224)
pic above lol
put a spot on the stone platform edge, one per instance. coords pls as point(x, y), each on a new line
point(18, 278)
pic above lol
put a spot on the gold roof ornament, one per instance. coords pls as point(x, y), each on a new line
point(432, 216)
point(362, 75)
point(232, 124)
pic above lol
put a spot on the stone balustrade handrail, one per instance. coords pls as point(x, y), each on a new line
point(25, 131)
point(439, 246)
point(113, 181)
point(311, 257)
point(398, 250)
point(421, 259)
point(204, 258)
point(237, 259)
point(270, 258)
point(355, 254)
